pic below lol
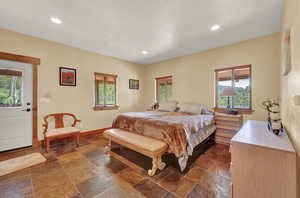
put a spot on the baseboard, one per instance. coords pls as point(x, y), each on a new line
point(94, 132)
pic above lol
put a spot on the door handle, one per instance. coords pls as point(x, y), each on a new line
point(28, 110)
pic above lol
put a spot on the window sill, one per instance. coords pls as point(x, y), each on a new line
point(241, 111)
point(102, 108)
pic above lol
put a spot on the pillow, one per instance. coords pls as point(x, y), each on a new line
point(167, 106)
point(205, 110)
point(193, 108)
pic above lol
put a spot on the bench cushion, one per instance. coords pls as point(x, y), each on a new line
point(61, 131)
point(146, 143)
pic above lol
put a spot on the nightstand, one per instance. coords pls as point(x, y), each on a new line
point(227, 126)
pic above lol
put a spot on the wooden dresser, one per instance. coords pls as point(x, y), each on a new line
point(227, 126)
point(263, 164)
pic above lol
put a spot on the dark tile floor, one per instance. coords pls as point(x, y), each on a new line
point(87, 172)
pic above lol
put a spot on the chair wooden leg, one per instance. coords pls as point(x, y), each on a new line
point(77, 136)
point(47, 141)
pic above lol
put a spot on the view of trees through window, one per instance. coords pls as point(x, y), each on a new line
point(106, 90)
point(163, 88)
point(10, 90)
point(239, 80)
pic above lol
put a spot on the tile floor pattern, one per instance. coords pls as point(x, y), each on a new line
point(87, 172)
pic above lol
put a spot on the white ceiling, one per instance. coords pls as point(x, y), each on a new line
point(124, 28)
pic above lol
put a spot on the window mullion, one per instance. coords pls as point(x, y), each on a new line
point(97, 98)
point(115, 92)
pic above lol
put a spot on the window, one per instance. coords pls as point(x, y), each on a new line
point(105, 91)
point(163, 88)
point(10, 88)
point(233, 88)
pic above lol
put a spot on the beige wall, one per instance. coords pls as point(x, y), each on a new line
point(194, 78)
point(78, 100)
point(290, 84)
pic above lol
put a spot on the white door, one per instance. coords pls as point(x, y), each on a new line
point(15, 105)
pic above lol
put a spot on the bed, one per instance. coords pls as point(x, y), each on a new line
point(181, 131)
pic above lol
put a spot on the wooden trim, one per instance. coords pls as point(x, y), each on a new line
point(100, 108)
point(244, 111)
point(103, 74)
point(34, 62)
point(96, 91)
point(20, 58)
point(34, 105)
point(163, 77)
point(236, 67)
point(94, 132)
point(9, 72)
point(105, 107)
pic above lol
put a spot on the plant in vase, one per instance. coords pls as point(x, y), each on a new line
point(274, 121)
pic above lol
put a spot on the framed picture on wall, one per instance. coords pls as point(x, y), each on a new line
point(133, 84)
point(67, 76)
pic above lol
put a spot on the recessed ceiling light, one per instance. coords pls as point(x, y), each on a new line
point(145, 52)
point(55, 20)
point(215, 27)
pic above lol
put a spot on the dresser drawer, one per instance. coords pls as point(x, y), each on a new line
point(225, 133)
point(228, 123)
point(226, 118)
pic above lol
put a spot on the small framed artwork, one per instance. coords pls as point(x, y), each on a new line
point(67, 76)
point(133, 84)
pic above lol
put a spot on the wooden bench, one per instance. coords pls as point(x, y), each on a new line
point(150, 147)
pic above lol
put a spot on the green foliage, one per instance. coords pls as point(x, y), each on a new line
point(110, 92)
point(269, 103)
point(107, 94)
point(241, 100)
point(10, 90)
point(165, 92)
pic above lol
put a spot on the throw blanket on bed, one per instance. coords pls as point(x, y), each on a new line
point(176, 129)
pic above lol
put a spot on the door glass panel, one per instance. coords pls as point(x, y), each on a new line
point(10, 88)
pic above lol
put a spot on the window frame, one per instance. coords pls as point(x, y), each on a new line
point(157, 87)
point(98, 107)
point(241, 110)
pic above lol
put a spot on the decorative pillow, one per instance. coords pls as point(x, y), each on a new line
point(205, 110)
point(193, 108)
point(167, 106)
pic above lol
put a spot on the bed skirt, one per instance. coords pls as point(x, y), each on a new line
point(172, 160)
